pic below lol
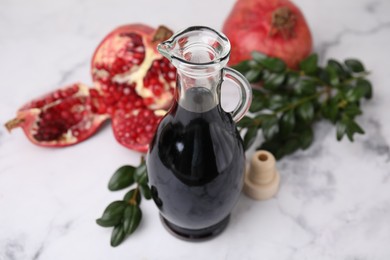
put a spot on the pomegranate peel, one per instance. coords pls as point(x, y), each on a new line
point(57, 120)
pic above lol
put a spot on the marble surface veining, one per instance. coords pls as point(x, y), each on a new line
point(334, 199)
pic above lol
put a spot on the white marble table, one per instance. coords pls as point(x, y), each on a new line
point(334, 200)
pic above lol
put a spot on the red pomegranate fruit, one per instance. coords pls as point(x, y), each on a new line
point(135, 81)
point(61, 118)
point(276, 28)
point(133, 84)
point(128, 57)
point(135, 129)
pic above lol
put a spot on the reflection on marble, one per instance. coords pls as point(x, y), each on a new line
point(334, 200)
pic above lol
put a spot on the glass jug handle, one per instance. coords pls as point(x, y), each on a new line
point(245, 90)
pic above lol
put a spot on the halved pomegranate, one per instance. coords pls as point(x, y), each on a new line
point(128, 58)
point(64, 117)
point(135, 81)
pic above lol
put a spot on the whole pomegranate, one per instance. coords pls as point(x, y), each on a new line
point(274, 27)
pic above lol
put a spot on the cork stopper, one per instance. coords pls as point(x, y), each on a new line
point(262, 179)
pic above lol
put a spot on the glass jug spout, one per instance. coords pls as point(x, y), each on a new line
point(197, 49)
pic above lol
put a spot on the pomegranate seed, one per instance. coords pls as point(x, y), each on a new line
point(148, 128)
point(56, 95)
point(40, 103)
point(65, 114)
point(157, 90)
point(148, 101)
point(110, 110)
point(126, 91)
point(139, 49)
point(76, 133)
point(94, 93)
point(111, 89)
point(121, 104)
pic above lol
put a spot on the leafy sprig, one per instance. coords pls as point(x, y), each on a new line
point(125, 215)
point(288, 102)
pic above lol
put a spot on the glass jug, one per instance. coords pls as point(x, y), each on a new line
point(196, 160)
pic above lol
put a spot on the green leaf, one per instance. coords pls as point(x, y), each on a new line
point(256, 107)
point(258, 93)
point(343, 88)
point(273, 64)
point(323, 75)
point(130, 195)
point(259, 101)
point(356, 93)
point(352, 110)
point(141, 174)
point(253, 75)
point(270, 127)
point(145, 190)
point(287, 123)
point(334, 78)
point(290, 146)
point(258, 56)
point(254, 65)
point(310, 64)
point(274, 80)
point(351, 95)
point(341, 129)
point(139, 171)
point(273, 146)
point(306, 137)
point(259, 119)
point(352, 128)
point(131, 219)
point(306, 111)
point(245, 122)
point(354, 65)
point(250, 137)
point(112, 215)
point(330, 110)
point(109, 222)
point(122, 178)
point(292, 78)
point(242, 67)
point(280, 148)
point(117, 235)
point(142, 178)
point(305, 87)
point(338, 68)
point(276, 102)
point(366, 86)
